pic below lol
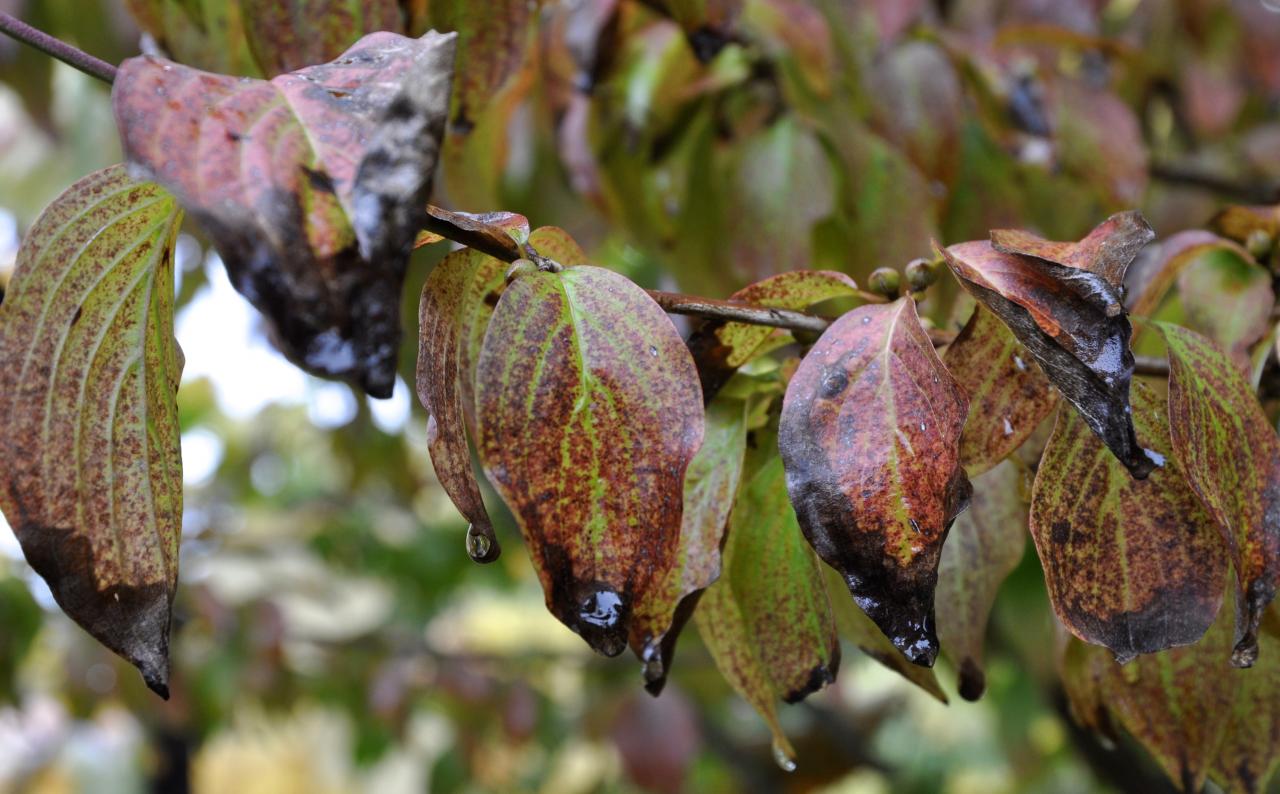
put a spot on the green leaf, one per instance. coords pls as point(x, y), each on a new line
point(589, 412)
point(207, 34)
point(1230, 456)
point(1134, 565)
point(1008, 394)
point(286, 35)
point(984, 546)
point(1250, 749)
point(92, 468)
point(870, 433)
point(768, 621)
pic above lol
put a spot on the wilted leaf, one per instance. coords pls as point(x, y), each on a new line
point(1008, 395)
point(286, 35)
point(767, 621)
point(91, 460)
point(1062, 301)
point(1135, 565)
point(710, 487)
point(589, 413)
point(719, 347)
point(984, 546)
point(870, 433)
point(311, 185)
point(1230, 456)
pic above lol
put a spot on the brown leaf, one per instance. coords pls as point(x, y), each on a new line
point(1063, 302)
point(1135, 565)
point(984, 546)
point(1008, 395)
point(1231, 458)
point(589, 413)
point(870, 435)
point(90, 455)
point(311, 185)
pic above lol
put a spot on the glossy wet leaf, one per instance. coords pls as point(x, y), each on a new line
point(311, 185)
point(1135, 565)
point(1008, 394)
point(1062, 301)
point(710, 488)
point(767, 622)
point(720, 348)
point(589, 412)
point(984, 546)
point(91, 460)
point(870, 433)
point(286, 35)
point(1230, 456)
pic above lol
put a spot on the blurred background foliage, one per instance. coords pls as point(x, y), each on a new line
point(331, 633)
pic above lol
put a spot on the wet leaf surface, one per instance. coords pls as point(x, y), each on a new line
point(767, 622)
point(1008, 394)
point(311, 185)
point(589, 413)
point(984, 546)
point(91, 458)
point(1230, 456)
point(1134, 565)
point(720, 348)
point(870, 434)
point(1062, 301)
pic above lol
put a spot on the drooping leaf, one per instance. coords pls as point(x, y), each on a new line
point(1134, 565)
point(1062, 301)
point(90, 457)
point(311, 185)
point(1250, 750)
point(870, 434)
point(767, 621)
point(710, 487)
point(589, 413)
point(286, 35)
point(719, 347)
point(1230, 456)
point(205, 35)
point(984, 546)
point(1008, 395)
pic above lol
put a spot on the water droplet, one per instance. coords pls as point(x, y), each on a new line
point(654, 669)
point(834, 381)
point(601, 608)
point(653, 351)
point(1019, 363)
point(865, 320)
point(1155, 457)
point(922, 426)
point(783, 758)
point(915, 525)
point(1008, 427)
point(479, 544)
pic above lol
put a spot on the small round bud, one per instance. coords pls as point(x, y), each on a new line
point(920, 275)
point(1259, 244)
point(885, 281)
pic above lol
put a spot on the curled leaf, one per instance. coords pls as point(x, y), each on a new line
point(1062, 300)
point(90, 454)
point(1135, 565)
point(1230, 456)
point(310, 185)
point(589, 412)
point(870, 435)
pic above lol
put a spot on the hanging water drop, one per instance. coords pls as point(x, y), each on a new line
point(654, 669)
point(782, 757)
point(479, 544)
point(1019, 363)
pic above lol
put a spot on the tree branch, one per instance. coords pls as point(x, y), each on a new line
point(94, 67)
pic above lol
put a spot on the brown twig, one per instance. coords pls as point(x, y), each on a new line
point(72, 56)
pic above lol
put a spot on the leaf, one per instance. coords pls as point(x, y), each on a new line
point(589, 413)
point(719, 348)
point(710, 487)
point(1250, 749)
point(311, 185)
point(209, 34)
point(870, 435)
point(1062, 301)
point(707, 23)
point(984, 546)
point(286, 35)
point(1008, 396)
point(1231, 458)
point(767, 622)
point(89, 442)
point(493, 38)
point(1152, 276)
point(1238, 222)
point(1134, 565)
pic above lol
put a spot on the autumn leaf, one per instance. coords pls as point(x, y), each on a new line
point(311, 185)
point(206, 35)
point(1062, 301)
point(1230, 456)
point(1134, 565)
point(719, 348)
point(589, 413)
point(984, 546)
point(89, 442)
point(767, 622)
point(1240, 222)
point(1008, 395)
point(870, 435)
point(1250, 750)
point(286, 35)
